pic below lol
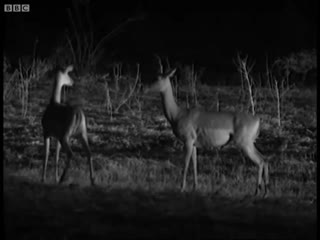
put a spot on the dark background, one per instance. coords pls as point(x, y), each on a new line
point(200, 32)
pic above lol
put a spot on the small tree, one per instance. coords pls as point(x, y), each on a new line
point(245, 71)
point(300, 62)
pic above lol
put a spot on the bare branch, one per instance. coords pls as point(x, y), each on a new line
point(114, 32)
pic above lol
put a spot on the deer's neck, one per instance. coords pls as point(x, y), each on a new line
point(170, 107)
point(56, 94)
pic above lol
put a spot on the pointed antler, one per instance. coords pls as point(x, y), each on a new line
point(168, 64)
point(160, 64)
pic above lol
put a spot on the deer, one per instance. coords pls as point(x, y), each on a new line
point(198, 128)
point(63, 121)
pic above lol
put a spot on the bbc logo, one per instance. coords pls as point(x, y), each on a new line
point(16, 7)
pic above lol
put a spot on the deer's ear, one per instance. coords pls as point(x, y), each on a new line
point(69, 69)
point(171, 73)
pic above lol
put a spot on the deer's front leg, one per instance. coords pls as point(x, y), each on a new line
point(195, 174)
point(188, 148)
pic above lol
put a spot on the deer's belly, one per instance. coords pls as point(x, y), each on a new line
point(212, 138)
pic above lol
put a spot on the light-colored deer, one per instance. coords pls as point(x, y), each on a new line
point(62, 121)
point(199, 128)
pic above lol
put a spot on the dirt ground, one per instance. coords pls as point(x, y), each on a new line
point(48, 211)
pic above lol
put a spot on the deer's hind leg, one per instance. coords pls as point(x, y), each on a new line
point(57, 160)
point(256, 157)
point(65, 142)
point(85, 143)
point(45, 161)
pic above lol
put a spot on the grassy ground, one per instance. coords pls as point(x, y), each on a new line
point(48, 211)
point(138, 164)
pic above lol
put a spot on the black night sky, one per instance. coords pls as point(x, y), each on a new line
point(202, 32)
